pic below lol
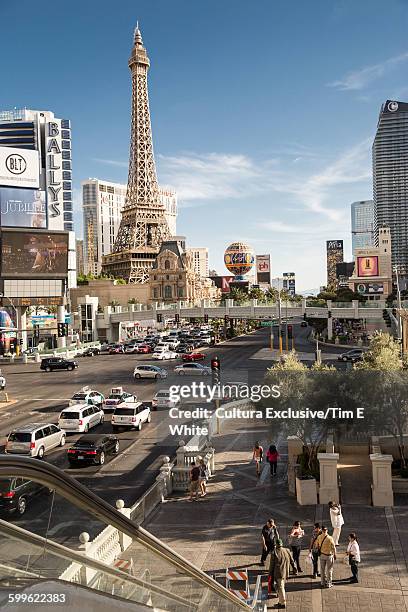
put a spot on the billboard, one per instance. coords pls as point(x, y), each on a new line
point(23, 208)
point(19, 168)
point(34, 254)
point(289, 283)
point(367, 266)
point(222, 282)
point(370, 288)
point(263, 269)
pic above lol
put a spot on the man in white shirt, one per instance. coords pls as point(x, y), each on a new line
point(353, 551)
point(337, 521)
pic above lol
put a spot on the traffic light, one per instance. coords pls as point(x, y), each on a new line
point(215, 364)
point(206, 318)
point(159, 317)
point(329, 314)
point(226, 319)
point(386, 317)
point(65, 329)
point(36, 331)
point(61, 330)
point(177, 318)
point(290, 332)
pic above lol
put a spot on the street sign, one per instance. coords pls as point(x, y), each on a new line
point(267, 323)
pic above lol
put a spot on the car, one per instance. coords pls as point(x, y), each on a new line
point(80, 418)
point(2, 382)
point(144, 348)
point(173, 344)
point(34, 439)
point(91, 351)
point(164, 355)
point(304, 324)
point(131, 415)
point(115, 397)
point(162, 399)
point(87, 396)
point(192, 368)
point(49, 364)
point(116, 349)
point(31, 351)
point(131, 348)
point(93, 449)
point(16, 493)
point(105, 346)
point(206, 340)
point(193, 356)
point(149, 371)
point(353, 355)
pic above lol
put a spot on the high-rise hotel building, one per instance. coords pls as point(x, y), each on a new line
point(390, 176)
point(362, 224)
point(102, 203)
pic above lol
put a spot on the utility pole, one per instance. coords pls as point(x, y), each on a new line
point(280, 318)
point(287, 339)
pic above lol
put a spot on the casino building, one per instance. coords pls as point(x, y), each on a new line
point(38, 258)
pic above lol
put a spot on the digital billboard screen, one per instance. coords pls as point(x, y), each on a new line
point(23, 208)
point(367, 266)
point(34, 254)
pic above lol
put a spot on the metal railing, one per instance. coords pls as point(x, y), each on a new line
point(81, 497)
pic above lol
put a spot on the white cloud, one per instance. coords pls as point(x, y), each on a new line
point(112, 162)
point(359, 79)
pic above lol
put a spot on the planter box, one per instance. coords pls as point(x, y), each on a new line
point(306, 491)
point(399, 485)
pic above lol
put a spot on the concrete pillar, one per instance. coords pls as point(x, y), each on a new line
point(21, 323)
point(295, 448)
point(382, 493)
point(61, 342)
point(355, 304)
point(329, 488)
point(124, 540)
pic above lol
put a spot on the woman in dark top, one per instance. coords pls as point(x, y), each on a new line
point(272, 457)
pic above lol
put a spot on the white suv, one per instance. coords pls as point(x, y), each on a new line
point(80, 418)
point(131, 415)
point(34, 439)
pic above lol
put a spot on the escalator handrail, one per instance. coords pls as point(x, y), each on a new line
point(27, 537)
point(80, 496)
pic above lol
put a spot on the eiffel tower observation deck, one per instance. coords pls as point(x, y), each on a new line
point(143, 225)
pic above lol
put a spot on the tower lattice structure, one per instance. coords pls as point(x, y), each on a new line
point(143, 225)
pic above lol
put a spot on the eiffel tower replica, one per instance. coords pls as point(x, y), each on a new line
point(143, 226)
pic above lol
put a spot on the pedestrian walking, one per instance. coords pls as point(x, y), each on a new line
point(279, 571)
point(314, 549)
point(353, 551)
point(295, 542)
point(203, 477)
point(269, 536)
point(257, 456)
point(327, 554)
point(272, 457)
point(194, 481)
point(337, 520)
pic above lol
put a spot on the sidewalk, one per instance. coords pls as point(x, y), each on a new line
point(223, 530)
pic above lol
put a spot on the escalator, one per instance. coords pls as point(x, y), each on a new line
point(36, 570)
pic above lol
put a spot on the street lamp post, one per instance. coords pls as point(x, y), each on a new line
point(280, 318)
point(400, 327)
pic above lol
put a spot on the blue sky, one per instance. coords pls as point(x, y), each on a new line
point(263, 113)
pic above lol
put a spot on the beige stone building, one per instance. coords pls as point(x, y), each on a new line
point(110, 293)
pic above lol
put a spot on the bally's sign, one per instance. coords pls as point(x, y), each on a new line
point(19, 168)
point(54, 172)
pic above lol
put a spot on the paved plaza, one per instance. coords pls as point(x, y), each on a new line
point(223, 530)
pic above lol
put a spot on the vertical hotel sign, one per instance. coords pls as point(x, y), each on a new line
point(334, 255)
point(263, 269)
point(54, 174)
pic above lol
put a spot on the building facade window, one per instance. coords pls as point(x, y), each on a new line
point(167, 264)
point(167, 291)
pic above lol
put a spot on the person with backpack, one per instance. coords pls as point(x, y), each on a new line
point(203, 477)
point(257, 456)
point(272, 457)
point(314, 549)
point(269, 537)
point(194, 481)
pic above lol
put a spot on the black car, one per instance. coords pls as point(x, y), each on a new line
point(57, 363)
point(91, 351)
point(93, 449)
point(16, 493)
point(353, 355)
point(304, 324)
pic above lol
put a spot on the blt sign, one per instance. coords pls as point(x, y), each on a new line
point(54, 174)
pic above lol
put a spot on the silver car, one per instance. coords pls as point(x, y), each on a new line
point(34, 439)
point(149, 371)
point(192, 369)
